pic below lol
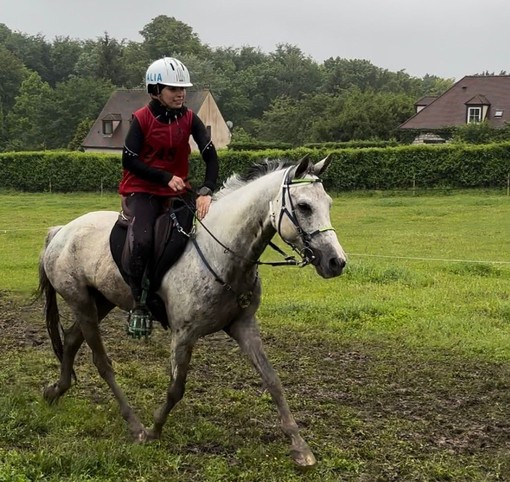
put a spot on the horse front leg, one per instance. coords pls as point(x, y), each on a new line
point(247, 335)
point(180, 356)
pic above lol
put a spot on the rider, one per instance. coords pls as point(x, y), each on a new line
point(155, 159)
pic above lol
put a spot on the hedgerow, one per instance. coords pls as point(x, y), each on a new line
point(400, 167)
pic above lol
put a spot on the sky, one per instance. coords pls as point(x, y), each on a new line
point(446, 38)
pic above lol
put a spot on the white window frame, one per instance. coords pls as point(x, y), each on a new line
point(474, 115)
point(107, 128)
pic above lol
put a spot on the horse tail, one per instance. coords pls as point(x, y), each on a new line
point(51, 312)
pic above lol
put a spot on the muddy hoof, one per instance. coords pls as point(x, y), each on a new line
point(152, 434)
point(51, 394)
point(303, 459)
point(141, 437)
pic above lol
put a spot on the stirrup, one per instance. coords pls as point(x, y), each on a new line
point(139, 323)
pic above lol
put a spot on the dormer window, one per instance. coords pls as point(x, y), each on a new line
point(107, 127)
point(474, 114)
point(110, 122)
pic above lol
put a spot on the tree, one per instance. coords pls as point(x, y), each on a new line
point(12, 74)
point(135, 61)
point(168, 37)
point(74, 100)
point(33, 51)
point(64, 55)
point(81, 132)
point(291, 120)
point(344, 74)
point(103, 59)
point(433, 85)
point(110, 65)
point(293, 73)
point(368, 115)
point(26, 123)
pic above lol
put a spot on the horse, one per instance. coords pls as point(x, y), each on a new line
point(213, 286)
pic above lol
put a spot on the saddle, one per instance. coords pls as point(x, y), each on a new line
point(170, 239)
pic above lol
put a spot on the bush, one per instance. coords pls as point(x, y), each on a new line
point(401, 167)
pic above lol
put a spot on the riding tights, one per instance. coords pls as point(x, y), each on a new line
point(144, 209)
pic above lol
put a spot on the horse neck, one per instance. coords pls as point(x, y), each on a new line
point(240, 220)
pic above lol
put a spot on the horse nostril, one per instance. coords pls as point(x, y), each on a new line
point(336, 265)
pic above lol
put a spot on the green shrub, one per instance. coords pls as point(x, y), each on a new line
point(400, 167)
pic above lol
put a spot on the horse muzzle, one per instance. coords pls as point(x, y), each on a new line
point(328, 267)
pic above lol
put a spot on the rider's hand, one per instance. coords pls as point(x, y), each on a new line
point(177, 183)
point(203, 203)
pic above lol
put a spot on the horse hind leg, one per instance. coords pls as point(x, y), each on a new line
point(73, 340)
point(88, 319)
point(247, 335)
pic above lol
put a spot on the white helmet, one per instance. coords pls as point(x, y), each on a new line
point(167, 71)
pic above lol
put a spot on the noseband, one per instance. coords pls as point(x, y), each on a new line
point(307, 255)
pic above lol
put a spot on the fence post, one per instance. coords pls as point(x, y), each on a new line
point(508, 185)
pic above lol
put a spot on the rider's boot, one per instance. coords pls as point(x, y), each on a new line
point(139, 322)
point(140, 319)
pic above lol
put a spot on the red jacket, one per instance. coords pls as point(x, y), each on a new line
point(166, 147)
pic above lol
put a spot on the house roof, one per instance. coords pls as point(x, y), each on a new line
point(449, 109)
point(120, 107)
point(425, 100)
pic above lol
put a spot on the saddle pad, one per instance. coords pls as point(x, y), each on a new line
point(169, 246)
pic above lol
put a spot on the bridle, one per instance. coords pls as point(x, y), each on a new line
point(306, 254)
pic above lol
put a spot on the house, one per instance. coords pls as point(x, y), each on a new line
point(110, 128)
point(471, 99)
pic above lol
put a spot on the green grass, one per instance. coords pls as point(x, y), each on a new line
point(397, 370)
point(24, 221)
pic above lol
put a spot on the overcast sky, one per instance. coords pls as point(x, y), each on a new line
point(447, 38)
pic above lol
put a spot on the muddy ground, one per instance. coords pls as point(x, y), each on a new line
point(434, 402)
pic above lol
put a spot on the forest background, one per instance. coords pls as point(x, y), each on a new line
point(51, 91)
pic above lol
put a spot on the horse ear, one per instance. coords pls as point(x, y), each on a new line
point(321, 166)
point(302, 167)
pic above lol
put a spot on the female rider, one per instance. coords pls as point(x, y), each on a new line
point(155, 159)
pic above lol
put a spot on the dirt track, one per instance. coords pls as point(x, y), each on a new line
point(437, 402)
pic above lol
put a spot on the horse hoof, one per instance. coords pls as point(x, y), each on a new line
point(141, 437)
point(152, 434)
point(304, 459)
point(50, 394)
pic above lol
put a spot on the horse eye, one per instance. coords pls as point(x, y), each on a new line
point(304, 207)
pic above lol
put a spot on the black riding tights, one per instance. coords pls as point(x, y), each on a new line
point(144, 209)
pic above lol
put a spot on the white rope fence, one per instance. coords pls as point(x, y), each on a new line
point(417, 258)
point(361, 255)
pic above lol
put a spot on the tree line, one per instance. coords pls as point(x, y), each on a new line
point(51, 91)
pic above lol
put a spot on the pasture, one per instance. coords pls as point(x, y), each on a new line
point(399, 370)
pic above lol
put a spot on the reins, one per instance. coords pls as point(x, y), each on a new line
point(306, 254)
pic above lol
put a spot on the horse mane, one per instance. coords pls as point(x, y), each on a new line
point(255, 171)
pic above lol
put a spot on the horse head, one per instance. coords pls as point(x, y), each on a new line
point(300, 215)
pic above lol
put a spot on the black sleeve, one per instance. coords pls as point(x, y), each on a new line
point(207, 150)
point(131, 158)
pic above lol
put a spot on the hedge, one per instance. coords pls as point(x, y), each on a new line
point(401, 167)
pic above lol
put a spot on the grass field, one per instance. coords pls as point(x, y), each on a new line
point(398, 370)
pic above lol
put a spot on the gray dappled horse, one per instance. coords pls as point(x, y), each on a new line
point(273, 198)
